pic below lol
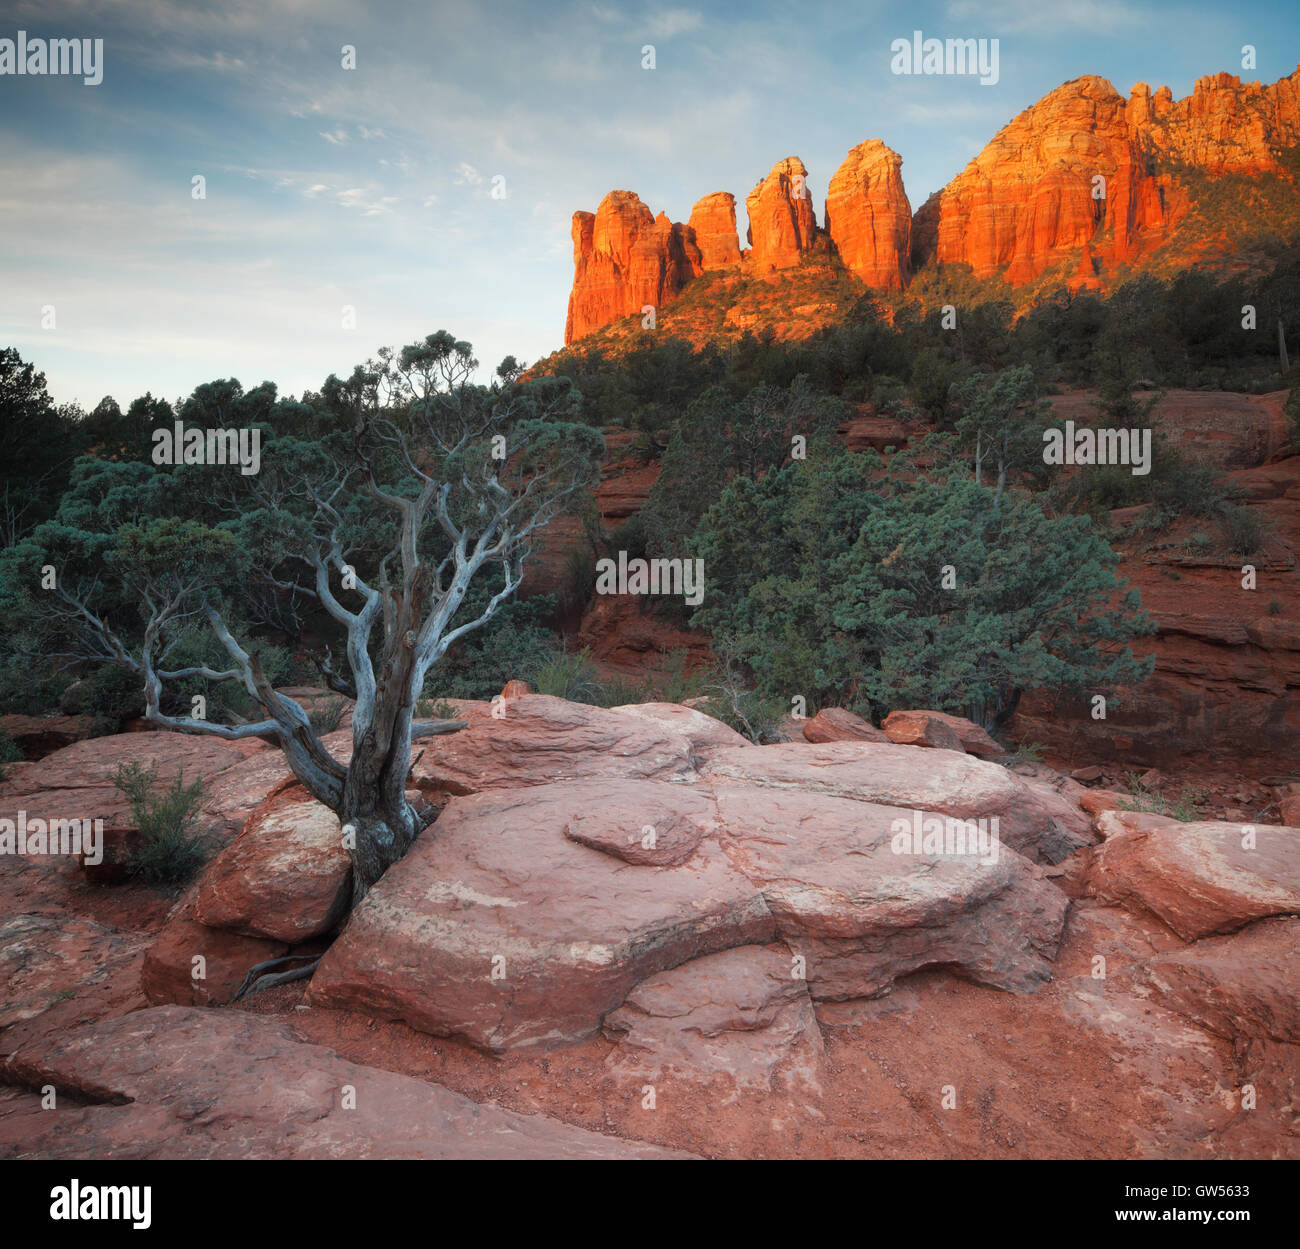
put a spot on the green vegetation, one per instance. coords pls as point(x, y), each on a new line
point(172, 849)
point(866, 584)
point(1144, 798)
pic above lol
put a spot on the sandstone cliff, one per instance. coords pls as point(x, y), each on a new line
point(624, 259)
point(868, 217)
point(713, 220)
point(782, 223)
point(1084, 182)
point(1085, 167)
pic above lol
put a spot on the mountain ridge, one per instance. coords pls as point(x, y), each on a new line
point(1083, 188)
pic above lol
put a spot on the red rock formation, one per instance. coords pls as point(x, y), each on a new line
point(782, 223)
point(713, 221)
point(1082, 166)
point(868, 216)
point(625, 259)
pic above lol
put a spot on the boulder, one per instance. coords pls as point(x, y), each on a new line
point(900, 726)
point(1242, 985)
point(172, 972)
point(499, 929)
point(704, 732)
point(836, 724)
point(737, 1016)
point(921, 728)
point(76, 782)
point(1095, 801)
point(1200, 878)
point(523, 917)
point(286, 875)
point(656, 833)
point(38, 736)
point(516, 689)
point(180, 1082)
point(938, 782)
point(537, 740)
point(863, 911)
point(117, 844)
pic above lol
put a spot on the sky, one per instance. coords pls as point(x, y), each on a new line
point(372, 187)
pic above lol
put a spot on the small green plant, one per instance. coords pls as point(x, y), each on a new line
point(1144, 798)
point(1243, 529)
point(570, 675)
point(64, 995)
point(1199, 540)
point(171, 849)
point(327, 716)
point(1274, 607)
point(1024, 753)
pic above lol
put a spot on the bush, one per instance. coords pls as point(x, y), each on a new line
point(1142, 798)
point(327, 716)
point(1243, 530)
point(171, 849)
point(513, 645)
point(571, 676)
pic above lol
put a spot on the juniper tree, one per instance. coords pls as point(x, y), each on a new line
point(856, 583)
point(415, 484)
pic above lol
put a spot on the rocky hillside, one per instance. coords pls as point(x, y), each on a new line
point(1084, 189)
point(791, 977)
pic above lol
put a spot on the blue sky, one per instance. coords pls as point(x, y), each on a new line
point(371, 187)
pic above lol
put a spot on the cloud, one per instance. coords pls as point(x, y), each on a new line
point(1098, 17)
point(670, 22)
point(467, 175)
point(336, 137)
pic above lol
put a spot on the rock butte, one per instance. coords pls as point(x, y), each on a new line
point(1030, 200)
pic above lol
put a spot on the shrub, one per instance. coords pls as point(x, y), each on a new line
point(327, 716)
point(1024, 753)
point(171, 849)
point(571, 676)
point(1142, 798)
point(1243, 529)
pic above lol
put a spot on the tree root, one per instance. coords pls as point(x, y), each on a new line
point(280, 977)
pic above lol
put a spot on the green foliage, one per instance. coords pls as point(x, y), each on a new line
point(1244, 529)
point(1143, 798)
point(171, 849)
point(721, 437)
point(514, 645)
point(828, 578)
point(327, 715)
point(38, 444)
point(569, 675)
point(1025, 753)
